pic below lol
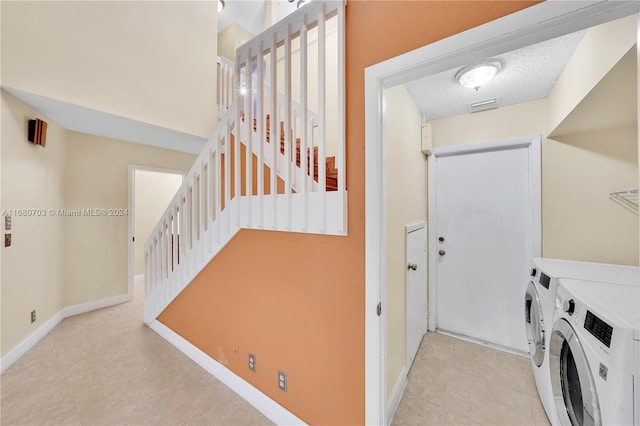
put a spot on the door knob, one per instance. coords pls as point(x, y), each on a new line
point(412, 266)
point(442, 252)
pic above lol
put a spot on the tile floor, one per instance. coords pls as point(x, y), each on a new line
point(454, 382)
point(107, 368)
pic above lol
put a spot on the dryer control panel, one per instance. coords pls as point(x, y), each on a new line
point(598, 328)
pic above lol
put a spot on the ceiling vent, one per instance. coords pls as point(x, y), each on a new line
point(484, 104)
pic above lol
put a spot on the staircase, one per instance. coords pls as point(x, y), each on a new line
point(243, 181)
point(331, 172)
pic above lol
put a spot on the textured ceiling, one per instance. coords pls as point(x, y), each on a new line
point(527, 74)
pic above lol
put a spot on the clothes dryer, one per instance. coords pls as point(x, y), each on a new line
point(594, 354)
point(540, 309)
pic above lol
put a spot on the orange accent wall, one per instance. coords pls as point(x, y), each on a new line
point(296, 301)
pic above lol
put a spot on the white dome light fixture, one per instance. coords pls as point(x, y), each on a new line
point(220, 5)
point(475, 75)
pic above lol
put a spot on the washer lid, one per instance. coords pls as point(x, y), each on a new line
point(615, 303)
point(589, 271)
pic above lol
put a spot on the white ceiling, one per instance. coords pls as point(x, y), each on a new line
point(527, 74)
point(250, 14)
point(93, 122)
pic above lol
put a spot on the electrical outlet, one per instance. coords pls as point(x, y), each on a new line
point(252, 362)
point(33, 316)
point(282, 380)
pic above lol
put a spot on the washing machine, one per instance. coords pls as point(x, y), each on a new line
point(540, 309)
point(594, 354)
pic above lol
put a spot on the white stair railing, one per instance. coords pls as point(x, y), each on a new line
point(249, 179)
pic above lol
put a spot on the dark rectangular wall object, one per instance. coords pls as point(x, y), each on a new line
point(37, 132)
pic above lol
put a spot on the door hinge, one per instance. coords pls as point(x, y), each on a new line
point(379, 309)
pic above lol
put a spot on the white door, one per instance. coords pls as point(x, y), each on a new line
point(416, 282)
point(483, 241)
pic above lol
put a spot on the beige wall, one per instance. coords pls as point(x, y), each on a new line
point(153, 193)
point(58, 261)
point(97, 177)
point(599, 51)
point(406, 195)
point(232, 37)
point(32, 178)
point(579, 221)
point(149, 61)
point(525, 119)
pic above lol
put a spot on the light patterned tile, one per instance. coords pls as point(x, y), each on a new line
point(415, 411)
point(107, 368)
point(470, 382)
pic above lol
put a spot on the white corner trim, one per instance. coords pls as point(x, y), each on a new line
point(70, 311)
point(30, 341)
point(271, 409)
point(396, 394)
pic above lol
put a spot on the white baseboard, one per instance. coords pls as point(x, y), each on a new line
point(271, 409)
point(70, 311)
point(396, 395)
point(30, 341)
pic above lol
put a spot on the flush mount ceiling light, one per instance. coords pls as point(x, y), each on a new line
point(478, 74)
point(220, 5)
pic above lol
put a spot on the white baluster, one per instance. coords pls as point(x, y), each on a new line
point(218, 183)
point(304, 166)
point(275, 127)
point(287, 125)
point(227, 177)
point(322, 169)
point(261, 132)
point(236, 142)
point(249, 140)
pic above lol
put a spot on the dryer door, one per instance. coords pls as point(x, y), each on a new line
point(534, 324)
point(574, 391)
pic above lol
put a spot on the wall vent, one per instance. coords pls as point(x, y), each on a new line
point(485, 104)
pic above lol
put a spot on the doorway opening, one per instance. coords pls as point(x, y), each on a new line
point(545, 21)
point(151, 190)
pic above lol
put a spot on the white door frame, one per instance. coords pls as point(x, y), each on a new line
point(537, 23)
point(131, 217)
point(532, 144)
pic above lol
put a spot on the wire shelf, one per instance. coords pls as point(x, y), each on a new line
point(627, 198)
